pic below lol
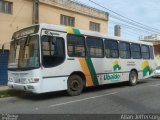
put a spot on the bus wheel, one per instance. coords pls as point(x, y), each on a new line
point(75, 85)
point(133, 78)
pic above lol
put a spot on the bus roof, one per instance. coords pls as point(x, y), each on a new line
point(84, 32)
point(90, 33)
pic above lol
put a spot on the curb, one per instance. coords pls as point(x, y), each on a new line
point(3, 88)
point(4, 91)
point(9, 93)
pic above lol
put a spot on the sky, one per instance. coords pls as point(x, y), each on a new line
point(146, 12)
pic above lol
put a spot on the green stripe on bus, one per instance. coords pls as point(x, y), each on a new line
point(89, 63)
point(92, 70)
point(76, 31)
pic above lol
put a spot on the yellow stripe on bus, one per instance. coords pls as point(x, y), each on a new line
point(89, 81)
point(69, 30)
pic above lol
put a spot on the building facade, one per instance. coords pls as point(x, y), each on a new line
point(17, 14)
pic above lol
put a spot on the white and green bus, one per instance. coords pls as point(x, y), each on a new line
point(45, 58)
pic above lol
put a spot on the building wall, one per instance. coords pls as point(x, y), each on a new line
point(49, 12)
point(21, 17)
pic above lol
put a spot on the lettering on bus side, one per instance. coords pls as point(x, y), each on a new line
point(112, 77)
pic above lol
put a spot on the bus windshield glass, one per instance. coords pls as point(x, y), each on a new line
point(24, 53)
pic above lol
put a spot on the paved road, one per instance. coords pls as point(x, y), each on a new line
point(115, 98)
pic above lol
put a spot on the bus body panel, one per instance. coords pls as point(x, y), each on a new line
point(97, 71)
point(53, 84)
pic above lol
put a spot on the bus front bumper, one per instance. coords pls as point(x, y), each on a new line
point(25, 87)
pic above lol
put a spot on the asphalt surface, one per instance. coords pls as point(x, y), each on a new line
point(108, 99)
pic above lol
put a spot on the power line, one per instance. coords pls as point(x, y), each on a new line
point(131, 21)
point(131, 33)
point(131, 30)
point(129, 27)
point(135, 32)
point(123, 16)
point(138, 27)
point(133, 24)
point(129, 24)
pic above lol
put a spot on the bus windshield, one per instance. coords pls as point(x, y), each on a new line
point(24, 53)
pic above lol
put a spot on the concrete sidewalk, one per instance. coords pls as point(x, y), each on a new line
point(3, 88)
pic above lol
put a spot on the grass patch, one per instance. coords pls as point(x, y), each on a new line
point(9, 93)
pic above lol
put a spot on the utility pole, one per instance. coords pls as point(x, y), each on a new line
point(35, 15)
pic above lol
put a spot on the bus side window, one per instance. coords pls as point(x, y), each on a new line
point(111, 48)
point(151, 52)
point(76, 45)
point(124, 50)
point(135, 51)
point(145, 52)
point(94, 47)
point(52, 51)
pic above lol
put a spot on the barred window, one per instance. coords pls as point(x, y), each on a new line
point(6, 7)
point(94, 26)
point(67, 20)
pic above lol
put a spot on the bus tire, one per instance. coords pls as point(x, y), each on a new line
point(133, 78)
point(74, 85)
